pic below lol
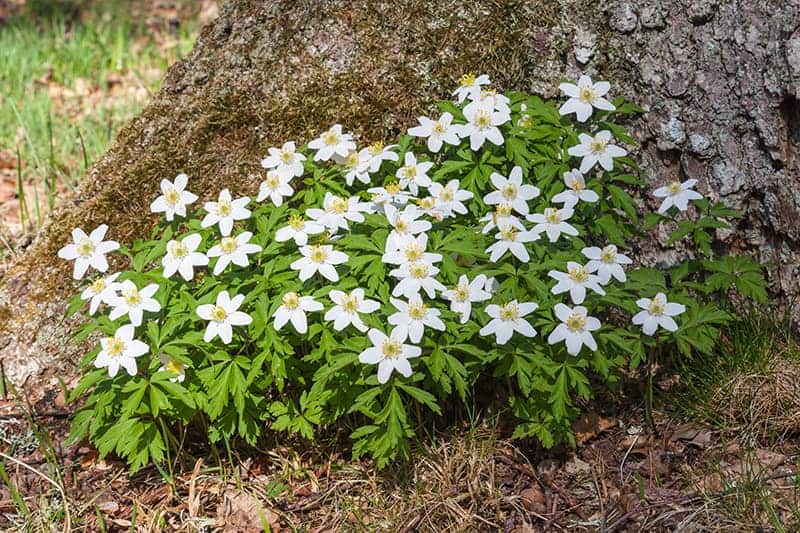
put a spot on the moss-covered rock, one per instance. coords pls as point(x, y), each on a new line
point(265, 72)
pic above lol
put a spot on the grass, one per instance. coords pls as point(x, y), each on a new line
point(66, 86)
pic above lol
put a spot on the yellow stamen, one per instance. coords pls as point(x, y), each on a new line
point(218, 314)
point(115, 347)
point(509, 312)
point(291, 300)
point(391, 348)
point(576, 322)
point(228, 245)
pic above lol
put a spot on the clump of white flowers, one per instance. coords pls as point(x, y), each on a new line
point(364, 276)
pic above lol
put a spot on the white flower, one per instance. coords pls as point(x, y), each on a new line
point(413, 175)
point(355, 166)
point(576, 190)
point(466, 292)
point(552, 222)
point(293, 308)
point(225, 211)
point(576, 280)
point(286, 161)
point(233, 250)
point(405, 225)
point(575, 330)
point(511, 191)
point(490, 99)
point(584, 97)
point(375, 154)
point(657, 312)
point(413, 316)
point(677, 194)
point(506, 319)
point(437, 131)
point(428, 206)
point(411, 250)
point(134, 302)
point(101, 290)
point(470, 86)
point(347, 309)
point(121, 350)
point(298, 229)
point(389, 194)
point(182, 257)
point(275, 186)
point(174, 198)
point(390, 353)
point(222, 316)
point(501, 217)
point(597, 149)
point(482, 125)
point(449, 198)
point(332, 142)
point(416, 276)
point(169, 364)
point(319, 258)
point(88, 250)
point(336, 211)
point(511, 239)
point(606, 262)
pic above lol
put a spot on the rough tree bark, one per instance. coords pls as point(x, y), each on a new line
point(721, 81)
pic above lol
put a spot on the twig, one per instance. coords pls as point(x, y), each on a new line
point(67, 517)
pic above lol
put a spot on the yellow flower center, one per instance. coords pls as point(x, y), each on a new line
point(318, 253)
point(467, 80)
point(576, 185)
point(447, 195)
point(338, 205)
point(115, 346)
point(417, 311)
point(392, 188)
point(391, 348)
point(375, 148)
point(296, 222)
point(674, 187)
point(587, 94)
point(351, 161)
point(483, 119)
point(576, 322)
point(608, 254)
point(228, 245)
point(218, 314)
point(598, 146)
point(178, 250)
point(488, 93)
point(132, 297)
point(509, 191)
point(508, 233)
point(418, 270)
point(409, 171)
point(287, 156)
point(172, 196)
point(85, 247)
point(552, 216)
point(503, 210)
point(509, 312)
point(427, 203)
point(579, 274)
point(350, 304)
point(291, 300)
point(414, 251)
point(224, 208)
point(439, 128)
point(273, 180)
point(401, 226)
point(174, 366)
point(98, 285)
point(656, 308)
point(330, 138)
point(462, 293)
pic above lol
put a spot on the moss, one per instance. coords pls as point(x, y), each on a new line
point(267, 72)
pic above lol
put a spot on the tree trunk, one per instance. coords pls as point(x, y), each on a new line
point(721, 81)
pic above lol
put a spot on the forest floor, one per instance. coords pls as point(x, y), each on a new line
point(722, 454)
